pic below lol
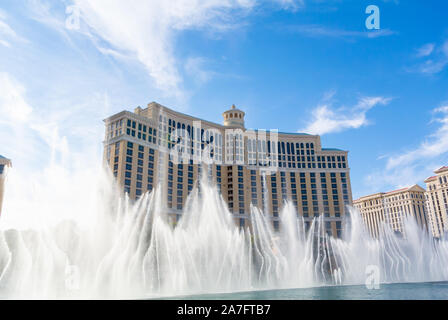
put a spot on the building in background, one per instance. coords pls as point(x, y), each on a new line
point(4, 163)
point(391, 208)
point(258, 167)
point(437, 205)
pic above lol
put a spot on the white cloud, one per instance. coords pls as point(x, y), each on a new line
point(194, 67)
point(413, 166)
point(293, 5)
point(436, 58)
point(435, 145)
point(325, 119)
point(425, 50)
point(7, 34)
point(146, 30)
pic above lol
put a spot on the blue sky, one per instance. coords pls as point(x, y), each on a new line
point(306, 65)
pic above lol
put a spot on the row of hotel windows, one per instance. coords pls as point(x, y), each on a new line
point(436, 201)
point(180, 167)
point(294, 197)
point(129, 154)
point(114, 129)
point(392, 199)
point(442, 180)
point(139, 177)
point(404, 197)
point(438, 222)
point(396, 214)
point(288, 152)
point(180, 180)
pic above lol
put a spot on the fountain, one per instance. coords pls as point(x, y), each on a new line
point(130, 250)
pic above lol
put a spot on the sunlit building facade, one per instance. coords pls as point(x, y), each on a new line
point(437, 201)
point(392, 208)
point(4, 163)
point(263, 168)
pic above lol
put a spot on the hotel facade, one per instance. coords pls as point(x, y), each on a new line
point(392, 208)
point(258, 167)
point(437, 201)
point(4, 163)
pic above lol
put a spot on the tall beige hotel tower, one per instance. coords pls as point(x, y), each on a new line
point(264, 168)
point(437, 201)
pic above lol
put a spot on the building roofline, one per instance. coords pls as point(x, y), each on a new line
point(373, 195)
point(398, 190)
point(441, 169)
point(333, 149)
point(379, 194)
point(5, 161)
point(214, 123)
point(296, 133)
point(186, 115)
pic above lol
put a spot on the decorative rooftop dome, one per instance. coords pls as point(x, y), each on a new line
point(234, 117)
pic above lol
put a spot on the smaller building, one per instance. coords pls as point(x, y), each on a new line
point(4, 163)
point(392, 208)
point(436, 196)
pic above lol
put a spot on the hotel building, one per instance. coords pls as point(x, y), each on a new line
point(391, 208)
point(3, 164)
point(437, 205)
point(258, 167)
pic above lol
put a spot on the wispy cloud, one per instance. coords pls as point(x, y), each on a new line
point(414, 165)
point(435, 145)
point(436, 58)
point(293, 5)
point(425, 50)
point(146, 31)
point(195, 67)
point(315, 30)
point(7, 34)
point(326, 119)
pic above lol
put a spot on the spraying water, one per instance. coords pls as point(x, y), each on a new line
point(130, 250)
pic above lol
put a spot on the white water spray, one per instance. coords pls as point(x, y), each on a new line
point(131, 251)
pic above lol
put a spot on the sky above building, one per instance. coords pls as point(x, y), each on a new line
point(293, 65)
